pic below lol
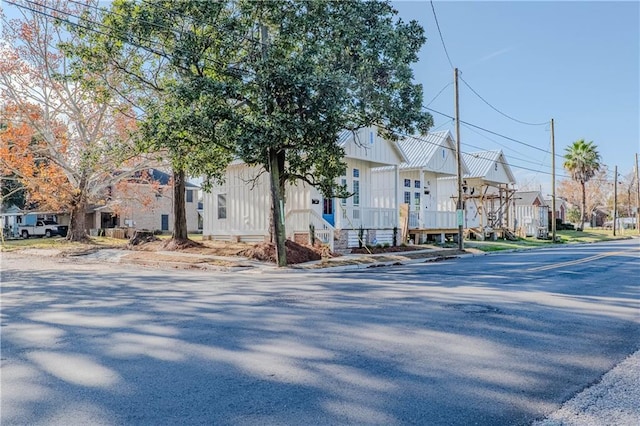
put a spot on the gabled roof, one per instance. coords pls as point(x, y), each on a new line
point(529, 198)
point(480, 164)
point(422, 149)
point(163, 178)
point(345, 136)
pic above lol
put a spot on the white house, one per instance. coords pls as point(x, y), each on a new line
point(430, 158)
point(240, 208)
point(487, 192)
point(531, 214)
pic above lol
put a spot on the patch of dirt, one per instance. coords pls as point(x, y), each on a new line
point(296, 253)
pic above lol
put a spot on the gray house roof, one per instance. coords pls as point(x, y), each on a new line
point(421, 150)
point(480, 164)
point(163, 178)
point(529, 197)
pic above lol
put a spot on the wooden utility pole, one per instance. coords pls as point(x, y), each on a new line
point(553, 184)
point(460, 203)
point(615, 200)
point(637, 197)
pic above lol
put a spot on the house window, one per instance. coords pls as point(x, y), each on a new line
point(356, 192)
point(407, 197)
point(164, 222)
point(356, 173)
point(496, 167)
point(189, 195)
point(343, 182)
point(416, 184)
point(416, 199)
point(222, 206)
point(407, 183)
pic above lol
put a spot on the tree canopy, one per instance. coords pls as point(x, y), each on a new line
point(63, 139)
point(582, 161)
point(272, 83)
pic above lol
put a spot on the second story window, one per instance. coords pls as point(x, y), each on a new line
point(189, 195)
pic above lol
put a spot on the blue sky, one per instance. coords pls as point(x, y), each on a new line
point(576, 62)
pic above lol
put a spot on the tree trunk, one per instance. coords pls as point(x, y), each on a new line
point(77, 224)
point(179, 210)
point(277, 208)
point(584, 205)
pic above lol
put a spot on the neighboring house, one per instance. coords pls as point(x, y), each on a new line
point(487, 191)
point(240, 208)
point(600, 215)
point(430, 158)
point(13, 217)
point(10, 219)
point(144, 202)
point(562, 207)
point(531, 214)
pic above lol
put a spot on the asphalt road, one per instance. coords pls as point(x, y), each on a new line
point(501, 339)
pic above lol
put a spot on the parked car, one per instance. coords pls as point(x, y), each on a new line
point(43, 228)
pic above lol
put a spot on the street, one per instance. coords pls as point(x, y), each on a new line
point(500, 339)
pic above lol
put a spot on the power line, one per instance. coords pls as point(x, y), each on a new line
point(440, 32)
point(439, 93)
point(498, 111)
point(502, 145)
point(149, 48)
point(490, 131)
point(477, 154)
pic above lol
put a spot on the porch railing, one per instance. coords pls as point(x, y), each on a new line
point(300, 221)
point(367, 217)
point(433, 220)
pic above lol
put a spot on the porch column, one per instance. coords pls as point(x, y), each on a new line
point(397, 193)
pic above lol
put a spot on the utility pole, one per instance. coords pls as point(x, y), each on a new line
point(553, 184)
point(460, 203)
point(637, 197)
point(615, 200)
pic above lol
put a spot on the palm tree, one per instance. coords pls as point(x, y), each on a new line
point(582, 161)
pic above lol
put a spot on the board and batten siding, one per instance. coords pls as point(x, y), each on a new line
point(345, 208)
point(248, 203)
point(384, 186)
point(367, 145)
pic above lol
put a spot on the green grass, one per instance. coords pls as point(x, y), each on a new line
point(564, 237)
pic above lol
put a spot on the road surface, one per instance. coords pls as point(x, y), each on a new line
point(501, 339)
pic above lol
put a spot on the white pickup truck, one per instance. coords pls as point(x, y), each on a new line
point(43, 228)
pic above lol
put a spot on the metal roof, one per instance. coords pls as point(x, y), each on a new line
point(420, 150)
point(480, 163)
